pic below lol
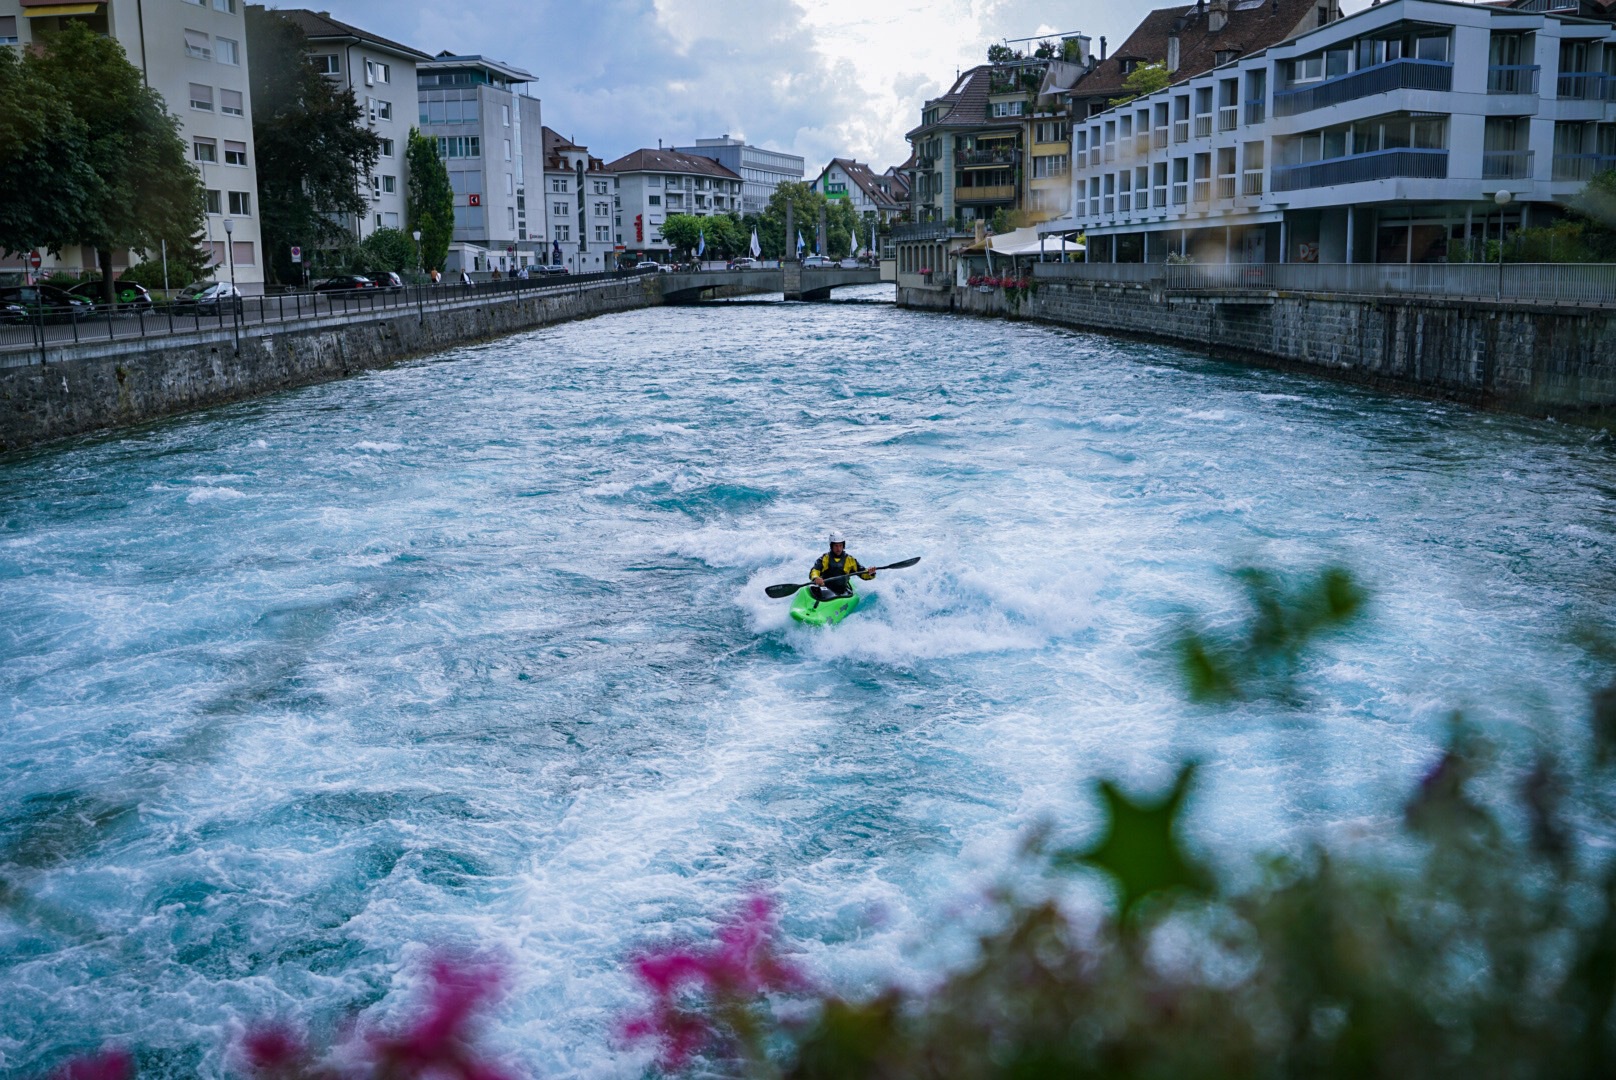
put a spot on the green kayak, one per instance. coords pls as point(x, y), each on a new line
point(805, 609)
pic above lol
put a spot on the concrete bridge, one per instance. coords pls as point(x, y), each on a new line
point(793, 280)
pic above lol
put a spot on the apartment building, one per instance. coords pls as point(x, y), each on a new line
point(490, 136)
point(760, 170)
point(861, 187)
point(193, 53)
point(580, 201)
point(1406, 132)
point(655, 183)
point(381, 74)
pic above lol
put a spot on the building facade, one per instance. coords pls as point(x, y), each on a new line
point(489, 132)
point(760, 170)
point(861, 187)
point(193, 53)
point(1410, 131)
point(581, 204)
point(381, 74)
point(651, 184)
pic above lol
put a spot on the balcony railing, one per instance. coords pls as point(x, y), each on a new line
point(1358, 168)
point(1158, 138)
point(1591, 284)
point(1181, 131)
point(1582, 85)
point(985, 193)
point(1180, 193)
point(1506, 164)
point(1110, 151)
point(969, 158)
point(1404, 74)
point(1580, 166)
point(1203, 191)
point(1252, 182)
point(1512, 79)
point(1110, 204)
point(1141, 144)
point(1256, 112)
point(1226, 187)
point(1124, 201)
point(1228, 117)
point(1159, 199)
point(1203, 125)
point(1541, 6)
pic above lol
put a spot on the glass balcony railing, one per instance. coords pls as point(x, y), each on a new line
point(1506, 164)
point(1405, 74)
point(1512, 79)
point(1581, 85)
point(1358, 168)
point(1580, 167)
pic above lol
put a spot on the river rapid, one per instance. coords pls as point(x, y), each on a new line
point(475, 652)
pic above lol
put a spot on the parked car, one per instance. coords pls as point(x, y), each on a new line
point(818, 262)
point(386, 279)
point(743, 263)
point(208, 298)
point(553, 268)
point(849, 264)
point(345, 283)
point(46, 301)
point(12, 312)
point(126, 293)
point(647, 265)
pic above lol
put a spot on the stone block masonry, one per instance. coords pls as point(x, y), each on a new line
point(91, 387)
point(1539, 359)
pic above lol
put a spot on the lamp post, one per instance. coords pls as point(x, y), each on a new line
point(230, 257)
point(1503, 199)
point(420, 269)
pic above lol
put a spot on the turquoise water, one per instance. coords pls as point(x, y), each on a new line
point(475, 651)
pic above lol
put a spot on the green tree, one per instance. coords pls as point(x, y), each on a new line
point(682, 232)
point(148, 192)
point(805, 204)
point(389, 249)
point(314, 150)
point(40, 138)
point(431, 199)
point(1142, 80)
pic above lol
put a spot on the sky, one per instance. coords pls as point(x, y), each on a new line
point(819, 78)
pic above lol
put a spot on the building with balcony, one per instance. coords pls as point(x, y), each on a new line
point(580, 202)
point(861, 187)
point(193, 53)
point(489, 135)
point(655, 183)
point(760, 170)
point(1386, 136)
point(381, 74)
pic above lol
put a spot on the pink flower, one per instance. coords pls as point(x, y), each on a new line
point(107, 1065)
point(439, 1042)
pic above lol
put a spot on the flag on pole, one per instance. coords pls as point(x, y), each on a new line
point(701, 242)
point(757, 248)
point(852, 240)
point(801, 243)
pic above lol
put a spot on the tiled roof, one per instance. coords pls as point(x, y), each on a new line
point(968, 103)
point(862, 175)
point(669, 161)
point(554, 144)
point(1253, 25)
point(319, 24)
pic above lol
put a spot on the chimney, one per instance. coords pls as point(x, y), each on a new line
point(1172, 50)
point(1217, 16)
point(1102, 47)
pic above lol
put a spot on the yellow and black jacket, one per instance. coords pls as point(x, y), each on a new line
point(829, 566)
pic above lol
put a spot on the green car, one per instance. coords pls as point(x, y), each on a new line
point(46, 301)
point(126, 293)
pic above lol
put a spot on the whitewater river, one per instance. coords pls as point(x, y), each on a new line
point(475, 651)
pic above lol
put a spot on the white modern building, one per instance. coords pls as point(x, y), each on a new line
point(490, 137)
point(1387, 136)
point(655, 183)
point(193, 53)
point(580, 204)
point(381, 74)
point(760, 170)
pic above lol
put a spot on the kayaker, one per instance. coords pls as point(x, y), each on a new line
point(834, 562)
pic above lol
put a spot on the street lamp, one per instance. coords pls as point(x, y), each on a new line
point(420, 263)
point(230, 250)
point(1503, 199)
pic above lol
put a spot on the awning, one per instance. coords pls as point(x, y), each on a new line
point(1028, 242)
point(60, 9)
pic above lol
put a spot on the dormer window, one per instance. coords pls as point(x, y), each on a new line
point(1225, 56)
point(1128, 66)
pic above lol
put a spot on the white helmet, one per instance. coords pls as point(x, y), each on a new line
point(837, 537)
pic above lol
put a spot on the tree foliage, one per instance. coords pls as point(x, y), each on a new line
point(146, 191)
point(431, 199)
point(841, 221)
point(314, 150)
point(1142, 80)
point(1586, 234)
point(723, 233)
point(389, 249)
point(40, 138)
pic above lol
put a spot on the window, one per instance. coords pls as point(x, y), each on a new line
point(563, 234)
point(235, 153)
point(510, 217)
point(384, 110)
point(241, 203)
point(1307, 69)
point(1007, 108)
point(215, 201)
point(505, 114)
point(603, 233)
point(227, 6)
point(1045, 167)
point(327, 63)
point(654, 200)
point(389, 185)
point(459, 146)
point(230, 102)
point(603, 209)
point(387, 148)
point(375, 187)
point(601, 187)
point(197, 45)
point(558, 209)
point(390, 219)
point(653, 181)
point(510, 184)
point(8, 30)
point(507, 149)
point(205, 150)
point(201, 97)
point(242, 252)
point(1225, 56)
point(226, 51)
point(377, 72)
point(558, 184)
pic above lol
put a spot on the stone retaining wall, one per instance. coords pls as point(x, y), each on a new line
point(112, 384)
point(1537, 359)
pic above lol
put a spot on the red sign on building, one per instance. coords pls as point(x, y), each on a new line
point(639, 228)
point(474, 200)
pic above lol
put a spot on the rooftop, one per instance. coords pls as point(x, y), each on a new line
point(669, 161)
point(320, 26)
point(446, 61)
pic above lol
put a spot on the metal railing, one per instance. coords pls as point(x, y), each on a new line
point(1180, 193)
point(1159, 199)
point(1581, 85)
point(1512, 78)
point(1256, 112)
point(1124, 200)
point(1252, 182)
point(1579, 166)
point(985, 193)
point(40, 331)
point(1575, 283)
point(1228, 117)
point(965, 158)
point(1131, 273)
point(1203, 191)
point(1181, 131)
point(1380, 165)
point(1203, 125)
point(1403, 74)
point(1226, 187)
point(1506, 164)
point(1158, 138)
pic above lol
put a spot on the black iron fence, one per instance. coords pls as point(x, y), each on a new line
point(41, 330)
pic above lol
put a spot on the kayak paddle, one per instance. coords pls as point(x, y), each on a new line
point(779, 591)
